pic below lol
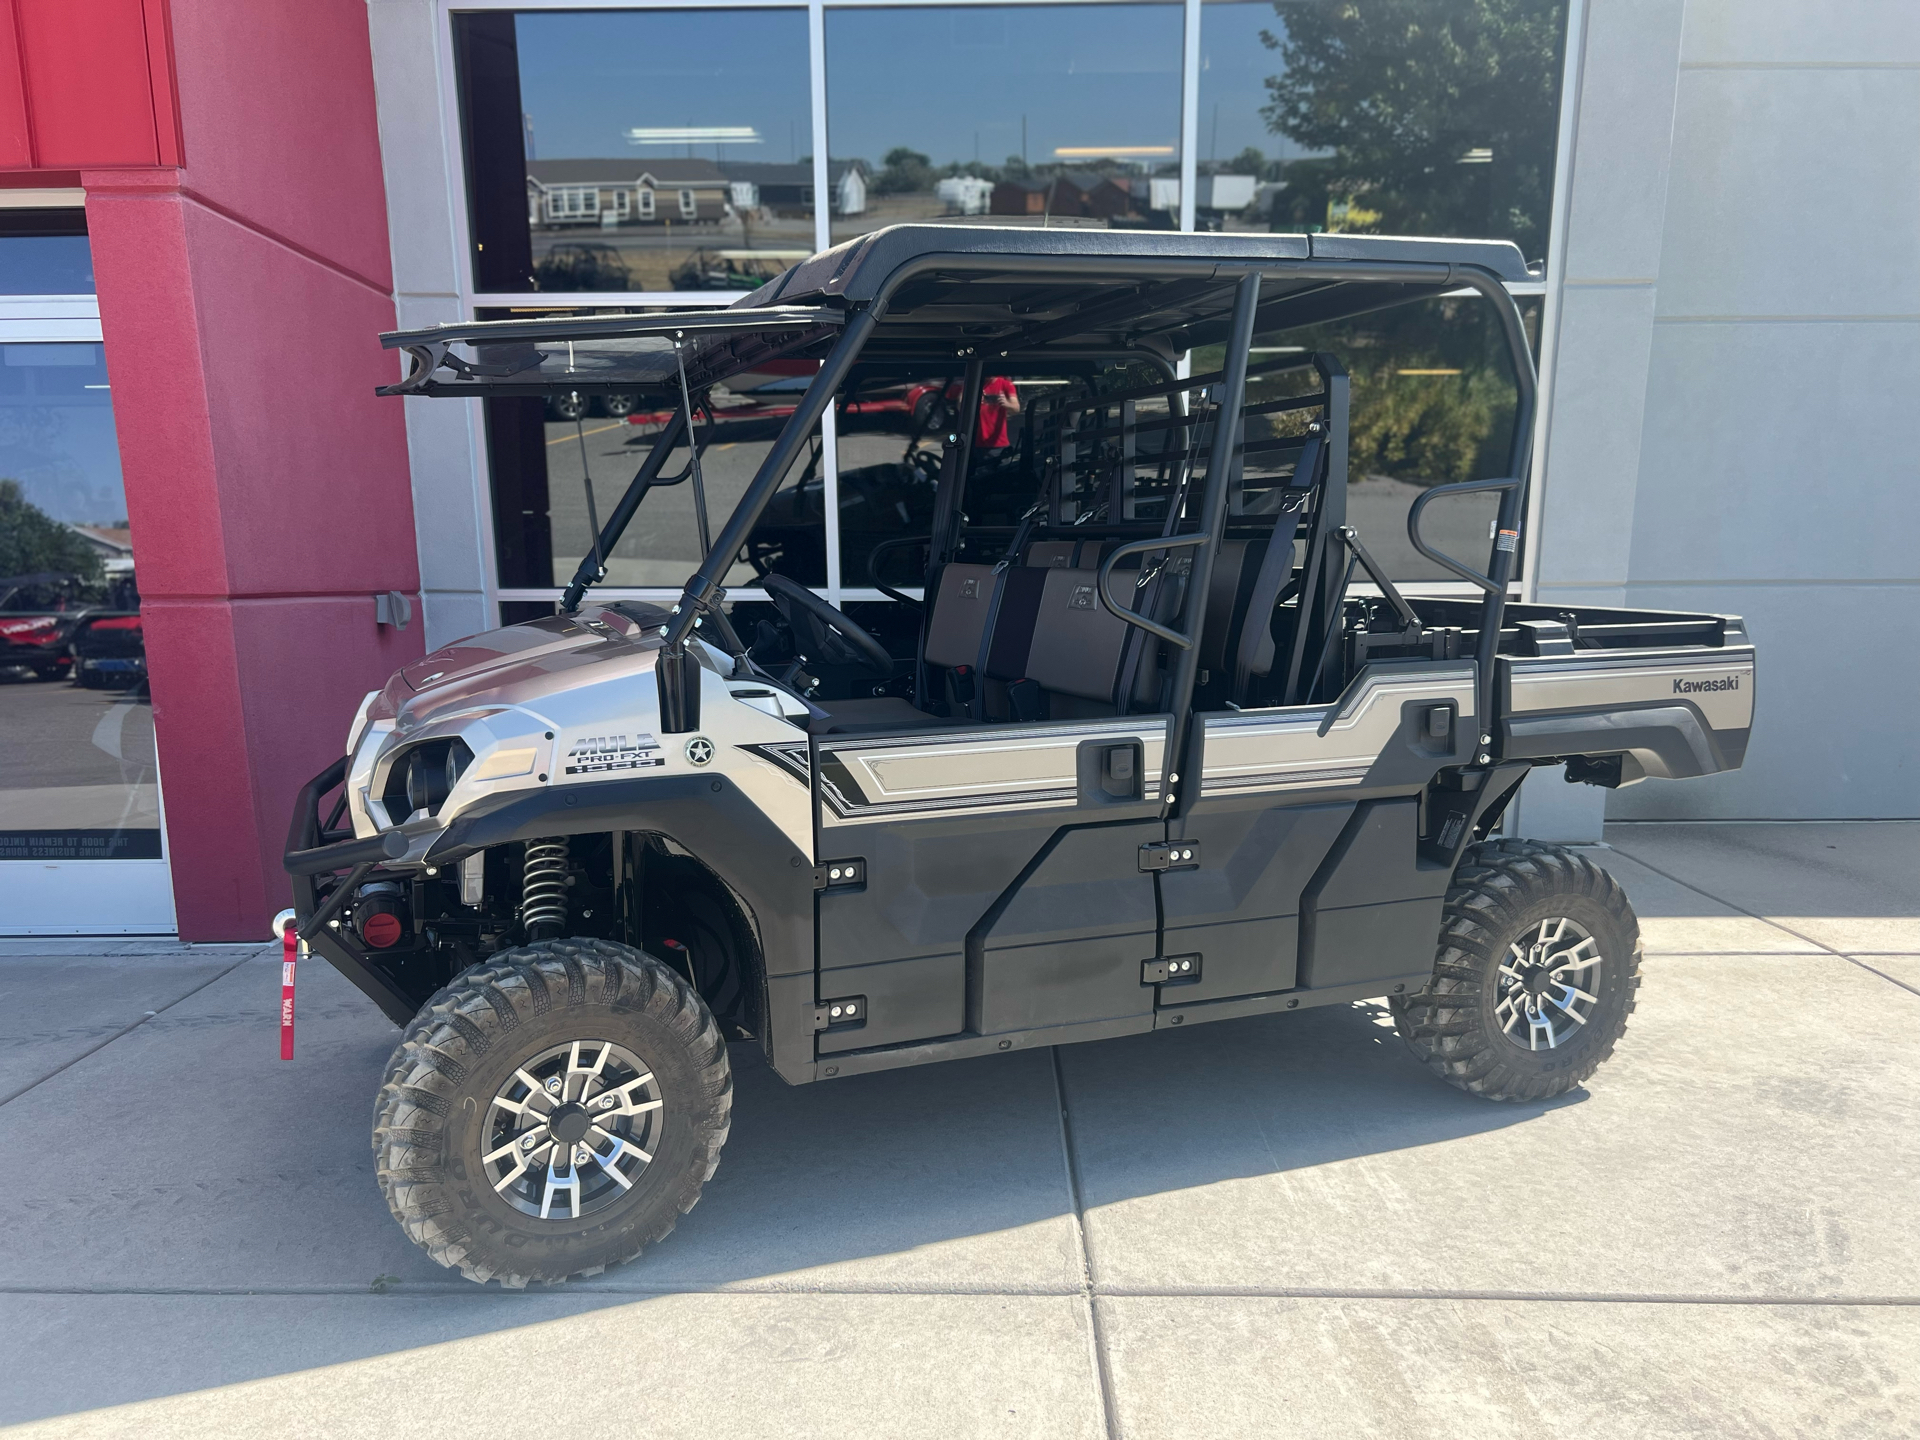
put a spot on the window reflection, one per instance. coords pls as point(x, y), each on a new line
point(1044, 114)
point(542, 454)
point(636, 150)
point(1402, 117)
point(1432, 402)
point(80, 782)
point(44, 252)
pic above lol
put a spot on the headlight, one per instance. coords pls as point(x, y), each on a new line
point(423, 777)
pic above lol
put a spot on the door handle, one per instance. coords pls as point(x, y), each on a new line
point(1111, 771)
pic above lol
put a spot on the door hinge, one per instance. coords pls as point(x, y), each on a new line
point(1169, 968)
point(836, 874)
point(1170, 855)
point(830, 1014)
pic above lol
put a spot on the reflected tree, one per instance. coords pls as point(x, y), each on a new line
point(1439, 116)
point(33, 542)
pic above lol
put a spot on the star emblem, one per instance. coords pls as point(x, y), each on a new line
point(699, 750)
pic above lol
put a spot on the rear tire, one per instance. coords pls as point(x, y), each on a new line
point(1538, 967)
point(456, 1109)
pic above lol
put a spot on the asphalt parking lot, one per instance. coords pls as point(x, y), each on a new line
point(1271, 1226)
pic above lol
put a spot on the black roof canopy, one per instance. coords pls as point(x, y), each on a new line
point(952, 290)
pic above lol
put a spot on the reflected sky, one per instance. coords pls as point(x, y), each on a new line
point(587, 77)
point(959, 84)
point(1234, 66)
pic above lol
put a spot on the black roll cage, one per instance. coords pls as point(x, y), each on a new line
point(1164, 276)
point(703, 593)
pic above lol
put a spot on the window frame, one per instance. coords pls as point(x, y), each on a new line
point(471, 301)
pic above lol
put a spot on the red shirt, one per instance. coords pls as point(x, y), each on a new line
point(991, 433)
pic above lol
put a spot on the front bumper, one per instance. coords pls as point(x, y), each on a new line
point(316, 854)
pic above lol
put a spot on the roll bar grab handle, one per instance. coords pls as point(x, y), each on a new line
point(1464, 487)
point(1133, 617)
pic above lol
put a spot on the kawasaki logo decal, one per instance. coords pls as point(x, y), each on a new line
point(1705, 687)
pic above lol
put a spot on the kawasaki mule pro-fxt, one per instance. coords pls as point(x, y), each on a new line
point(1142, 754)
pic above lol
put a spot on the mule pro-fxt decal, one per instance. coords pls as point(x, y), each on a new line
point(600, 753)
point(975, 771)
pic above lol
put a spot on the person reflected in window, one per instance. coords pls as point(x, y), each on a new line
point(998, 400)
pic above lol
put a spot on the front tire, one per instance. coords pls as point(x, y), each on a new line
point(1538, 967)
point(475, 1130)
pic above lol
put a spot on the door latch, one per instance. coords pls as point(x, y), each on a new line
point(829, 1014)
point(1169, 968)
point(837, 874)
point(1170, 855)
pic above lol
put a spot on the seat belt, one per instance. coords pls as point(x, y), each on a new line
point(978, 705)
point(1255, 653)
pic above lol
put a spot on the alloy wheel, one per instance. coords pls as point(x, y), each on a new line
point(572, 1129)
point(1541, 1001)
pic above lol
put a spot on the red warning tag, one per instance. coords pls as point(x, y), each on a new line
point(290, 938)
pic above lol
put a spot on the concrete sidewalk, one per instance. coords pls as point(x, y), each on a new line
point(1273, 1226)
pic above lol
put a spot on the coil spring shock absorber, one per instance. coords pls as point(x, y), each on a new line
point(543, 889)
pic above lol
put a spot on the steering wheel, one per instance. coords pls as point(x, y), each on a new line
point(824, 632)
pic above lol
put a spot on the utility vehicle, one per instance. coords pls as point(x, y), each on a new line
point(1158, 744)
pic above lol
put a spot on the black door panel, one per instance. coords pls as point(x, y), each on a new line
point(1069, 943)
point(1239, 910)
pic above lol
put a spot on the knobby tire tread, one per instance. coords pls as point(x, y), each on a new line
point(1445, 1024)
point(470, 1015)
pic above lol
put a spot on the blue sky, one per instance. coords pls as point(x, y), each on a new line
point(586, 77)
point(953, 83)
point(945, 81)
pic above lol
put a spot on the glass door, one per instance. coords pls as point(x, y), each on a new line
point(82, 845)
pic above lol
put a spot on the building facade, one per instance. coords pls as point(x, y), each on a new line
point(208, 210)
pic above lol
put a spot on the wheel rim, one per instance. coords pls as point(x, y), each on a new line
point(1541, 1000)
point(571, 1130)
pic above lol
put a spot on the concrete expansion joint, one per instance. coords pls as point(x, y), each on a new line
point(439, 1289)
point(128, 1029)
point(1102, 1361)
point(1764, 920)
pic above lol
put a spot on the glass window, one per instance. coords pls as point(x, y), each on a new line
point(1040, 114)
point(1399, 117)
point(620, 150)
point(542, 454)
point(1432, 401)
point(80, 781)
point(45, 253)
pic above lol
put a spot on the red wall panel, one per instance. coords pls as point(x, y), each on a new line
point(16, 143)
point(88, 82)
point(268, 493)
point(276, 104)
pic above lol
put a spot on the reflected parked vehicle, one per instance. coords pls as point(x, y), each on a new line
point(732, 269)
point(37, 617)
point(109, 650)
point(583, 265)
point(572, 405)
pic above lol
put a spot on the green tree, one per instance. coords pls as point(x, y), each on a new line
point(1440, 115)
point(31, 541)
point(904, 171)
